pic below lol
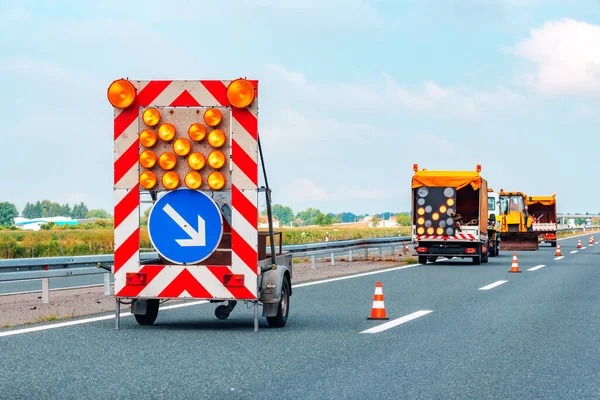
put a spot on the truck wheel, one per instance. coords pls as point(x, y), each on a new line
point(477, 260)
point(280, 319)
point(485, 257)
point(432, 259)
point(422, 259)
point(492, 249)
point(553, 244)
point(151, 313)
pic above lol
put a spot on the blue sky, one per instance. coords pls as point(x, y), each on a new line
point(352, 92)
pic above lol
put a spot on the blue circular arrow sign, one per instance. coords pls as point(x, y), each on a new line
point(185, 226)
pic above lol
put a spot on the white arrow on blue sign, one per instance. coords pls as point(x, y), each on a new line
point(185, 226)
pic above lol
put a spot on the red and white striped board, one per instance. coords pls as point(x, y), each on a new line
point(460, 236)
point(192, 281)
point(544, 227)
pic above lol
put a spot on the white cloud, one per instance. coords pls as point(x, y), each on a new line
point(434, 141)
point(388, 95)
point(566, 55)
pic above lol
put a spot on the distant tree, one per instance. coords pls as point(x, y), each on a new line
point(403, 219)
point(8, 213)
point(38, 210)
point(283, 213)
point(144, 219)
point(79, 211)
point(54, 210)
point(65, 210)
point(309, 215)
point(98, 213)
point(28, 211)
point(374, 220)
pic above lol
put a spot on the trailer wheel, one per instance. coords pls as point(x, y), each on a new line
point(485, 256)
point(151, 313)
point(492, 250)
point(553, 244)
point(432, 259)
point(222, 312)
point(283, 311)
point(477, 260)
point(422, 259)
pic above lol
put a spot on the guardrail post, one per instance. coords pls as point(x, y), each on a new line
point(107, 284)
point(332, 258)
point(380, 252)
point(350, 256)
point(45, 290)
point(393, 251)
point(313, 261)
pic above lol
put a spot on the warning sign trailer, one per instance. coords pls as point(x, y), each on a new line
point(189, 150)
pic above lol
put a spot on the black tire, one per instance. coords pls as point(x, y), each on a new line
point(432, 259)
point(283, 310)
point(477, 260)
point(497, 248)
point(151, 313)
point(553, 244)
point(222, 312)
point(422, 259)
point(485, 256)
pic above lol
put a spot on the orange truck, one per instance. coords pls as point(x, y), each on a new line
point(543, 211)
point(450, 215)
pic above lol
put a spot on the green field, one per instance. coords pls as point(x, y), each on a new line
point(77, 242)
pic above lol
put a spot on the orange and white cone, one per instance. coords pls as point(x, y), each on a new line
point(578, 243)
point(558, 253)
point(378, 310)
point(591, 239)
point(515, 264)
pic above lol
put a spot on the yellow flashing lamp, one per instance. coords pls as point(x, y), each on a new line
point(147, 138)
point(421, 211)
point(440, 231)
point(216, 159)
point(420, 230)
point(182, 147)
point(196, 161)
point(121, 93)
point(216, 138)
point(450, 202)
point(197, 132)
point(193, 180)
point(435, 216)
point(147, 159)
point(430, 231)
point(167, 161)
point(151, 117)
point(170, 180)
point(148, 180)
point(166, 132)
point(216, 180)
point(443, 209)
point(421, 221)
point(240, 93)
point(212, 117)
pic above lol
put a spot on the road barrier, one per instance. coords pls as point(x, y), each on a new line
point(23, 269)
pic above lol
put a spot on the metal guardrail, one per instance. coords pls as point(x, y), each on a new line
point(59, 267)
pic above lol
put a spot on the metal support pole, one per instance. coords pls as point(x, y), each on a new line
point(332, 258)
point(313, 261)
point(393, 251)
point(381, 252)
point(117, 315)
point(367, 253)
point(45, 290)
point(107, 284)
point(350, 256)
point(256, 316)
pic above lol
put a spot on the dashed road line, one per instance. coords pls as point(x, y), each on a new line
point(398, 321)
point(536, 268)
point(559, 258)
point(493, 285)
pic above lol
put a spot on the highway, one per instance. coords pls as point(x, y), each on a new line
point(530, 335)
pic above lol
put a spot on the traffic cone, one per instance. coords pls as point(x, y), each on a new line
point(515, 264)
point(578, 243)
point(591, 239)
point(557, 254)
point(378, 310)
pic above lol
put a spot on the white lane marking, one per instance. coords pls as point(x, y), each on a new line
point(396, 322)
point(536, 268)
point(493, 285)
point(590, 245)
point(127, 314)
point(94, 319)
point(583, 248)
point(559, 258)
point(574, 251)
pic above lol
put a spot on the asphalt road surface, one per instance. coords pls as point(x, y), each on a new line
point(530, 335)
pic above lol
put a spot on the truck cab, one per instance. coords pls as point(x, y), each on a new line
point(493, 222)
